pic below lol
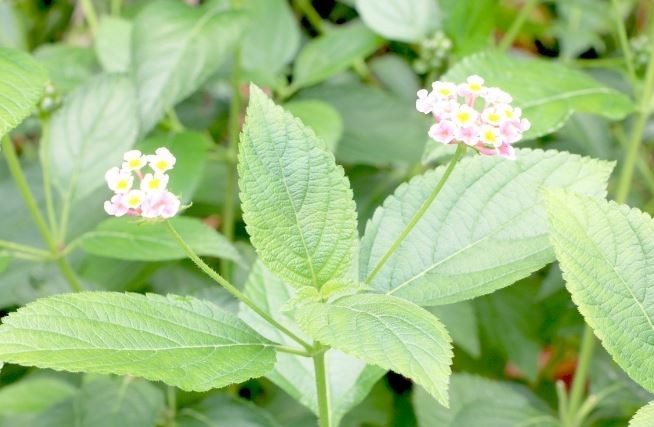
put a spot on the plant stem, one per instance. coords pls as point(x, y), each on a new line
point(173, 121)
point(581, 373)
point(229, 207)
point(460, 150)
point(171, 397)
point(29, 250)
point(562, 400)
point(47, 185)
point(624, 42)
point(527, 7)
point(19, 177)
point(311, 14)
point(322, 388)
point(291, 350)
point(90, 15)
point(231, 288)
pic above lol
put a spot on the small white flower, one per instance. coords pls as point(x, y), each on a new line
point(473, 86)
point(425, 102)
point(133, 199)
point(465, 116)
point(444, 90)
point(493, 116)
point(134, 160)
point(490, 136)
point(156, 182)
point(162, 160)
point(495, 95)
point(116, 205)
point(163, 204)
point(119, 180)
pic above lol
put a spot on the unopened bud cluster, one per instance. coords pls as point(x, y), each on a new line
point(433, 53)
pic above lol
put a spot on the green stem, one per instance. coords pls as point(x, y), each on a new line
point(173, 120)
point(171, 397)
point(47, 185)
point(581, 373)
point(322, 388)
point(291, 350)
point(231, 288)
point(460, 150)
point(17, 173)
point(527, 7)
point(624, 42)
point(90, 15)
point(29, 250)
point(229, 207)
point(311, 14)
point(562, 397)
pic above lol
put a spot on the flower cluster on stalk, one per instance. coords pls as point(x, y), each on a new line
point(473, 114)
point(150, 198)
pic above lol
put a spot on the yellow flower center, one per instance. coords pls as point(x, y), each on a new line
point(489, 136)
point(123, 184)
point(134, 163)
point(445, 92)
point(154, 184)
point(508, 114)
point(463, 116)
point(161, 164)
point(475, 87)
point(134, 201)
point(493, 117)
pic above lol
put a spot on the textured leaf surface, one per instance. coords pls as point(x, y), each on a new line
point(176, 48)
point(385, 331)
point(547, 92)
point(350, 379)
point(129, 239)
point(644, 417)
point(21, 87)
point(606, 253)
point(185, 342)
point(486, 230)
point(96, 125)
point(403, 20)
point(224, 410)
point(333, 52)
point(297, 203)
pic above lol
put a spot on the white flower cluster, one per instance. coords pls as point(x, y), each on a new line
point(473, 114)
point(151, 199)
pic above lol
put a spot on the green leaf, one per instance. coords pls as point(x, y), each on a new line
point(396, 74)
point(22, 85)
point(547, 92)
point(403, 20)
point(385, 331)
point(468, 391)
point(33, 395)
point(325, 121)
point(134, 240)
point(185, 342)
point(113, 44)
point(350, 379)
point(222, 410)
point(175, 49)
point(470, 25)
point(486, 230)
point(378, 128)
point(297, 203)
point(644, 417)
point(191, 151)
point(68, 66)
point(89, 134)
point(272, 25)
point(606, 253)
point(500, 414)
point(333, 52)
point(460, 320)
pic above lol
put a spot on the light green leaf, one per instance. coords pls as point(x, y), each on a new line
point(466, 391)
point(378, 128)
point(33, 395)
point(460, 320)
point(403, 20)
point(113, 44)
point(134, 240)
point(606, 254)
point(385, 331)
point(21, 87)
point(89, 134)
point(272, 25)
point(547, 92)
point(325, 121)
point(176, 48)
point(469, 25)
point(500, 414)
point(644, 417)
point(68, 66)
point(350, 379)
point(297, 203)
point(222, 410)
point(395, 74)
point(333, 52)
point(185, 342)
point(486, 230)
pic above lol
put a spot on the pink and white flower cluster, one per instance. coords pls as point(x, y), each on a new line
point(151, 199)
point(473, 114)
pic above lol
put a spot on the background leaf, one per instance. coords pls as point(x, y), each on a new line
point(644, 417)
point(113, 44)
point(403, 20)
point(33, 395)
point(323, 119)
point(296, 202)
point(486, 230)
point(605, 252)
point(185, 342)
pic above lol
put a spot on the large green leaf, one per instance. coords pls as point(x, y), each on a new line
point(460, 320)
point(486, 230)
point(325, 121)
point(21, 87)
point(68, 66)
point(333, 52)
point(385, 331)
point(469, 24)
point(175, 48)
point(606, 253)
point(130, 239)
point(547, 92)
point(88, 135)
point(222, 410)
point(403, 20)
point(350, 379)
point(297, 203)
point(644, 417)
point(182, 341)
point(33, 395)
point(113, 44)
